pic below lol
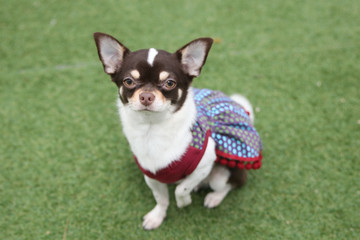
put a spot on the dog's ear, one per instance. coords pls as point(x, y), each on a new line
point(193, 55)
point(111, 52)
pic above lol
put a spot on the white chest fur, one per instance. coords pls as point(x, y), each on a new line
point(155, 138)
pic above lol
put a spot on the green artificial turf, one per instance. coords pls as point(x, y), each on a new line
point(66, 170)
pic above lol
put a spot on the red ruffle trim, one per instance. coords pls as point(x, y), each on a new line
point(233, 161)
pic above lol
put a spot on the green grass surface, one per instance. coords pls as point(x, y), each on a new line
point(66, 171)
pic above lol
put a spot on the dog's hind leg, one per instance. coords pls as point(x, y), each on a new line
point(219, 182)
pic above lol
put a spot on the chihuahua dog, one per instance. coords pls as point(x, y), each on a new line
point(179, 134)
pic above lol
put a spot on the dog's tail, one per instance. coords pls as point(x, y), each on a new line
point(245, 103)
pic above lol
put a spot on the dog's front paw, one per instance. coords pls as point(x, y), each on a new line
point(153, 219)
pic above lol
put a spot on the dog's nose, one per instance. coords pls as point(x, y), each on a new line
point(146, 98)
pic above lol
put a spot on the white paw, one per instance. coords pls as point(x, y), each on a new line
point(183, 201)
point(153, 219)
point(213, 199)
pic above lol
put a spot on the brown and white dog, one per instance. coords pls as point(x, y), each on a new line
point(157, 111)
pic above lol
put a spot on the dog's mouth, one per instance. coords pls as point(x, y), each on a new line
point(152, 108)
point(146, 109)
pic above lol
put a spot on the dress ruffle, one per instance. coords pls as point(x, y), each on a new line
point(238, 144)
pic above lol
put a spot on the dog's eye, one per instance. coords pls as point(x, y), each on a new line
point(129, 83)
point(170, 84)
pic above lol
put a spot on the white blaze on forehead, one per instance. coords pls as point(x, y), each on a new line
point(151, 56)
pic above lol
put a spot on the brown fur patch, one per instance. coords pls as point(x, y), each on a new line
point(238, 177)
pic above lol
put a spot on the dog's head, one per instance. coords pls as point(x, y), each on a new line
point(150, 79)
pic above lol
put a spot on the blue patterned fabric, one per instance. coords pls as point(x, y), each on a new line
point(236, 138)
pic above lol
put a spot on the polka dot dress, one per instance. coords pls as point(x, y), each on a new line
point(237, 142)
